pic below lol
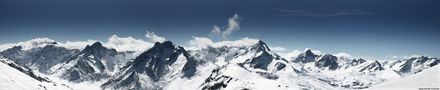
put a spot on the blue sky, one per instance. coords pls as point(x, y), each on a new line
point(367, 28)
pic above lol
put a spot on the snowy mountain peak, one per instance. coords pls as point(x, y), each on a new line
point(306, 57)
point(16, 48)
point(309, 52)
point(14, 51)
point(98, 50)
point(167, 44)
point(163, 62)
point(156, 61)
point(329, 61)
point(414, 64)
point(95, 62)
point(94, 46)
point(262, 46)
point(373, 67)
point(357, 61)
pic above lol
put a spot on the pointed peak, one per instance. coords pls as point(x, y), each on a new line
point(261, 45)
point(17, 47)
point(49, 46)
point(328, 55)
point(53, 43)
point(361, 59)
point(96, 44)
point(261, 42)
point(168, 44)
point(308, 51)
point(376, 62)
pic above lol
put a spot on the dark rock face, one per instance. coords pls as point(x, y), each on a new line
point(357, 61)
point(43, 58)
point(98, 51)
point(262, 61)
point(53, 54)
point(375, 66)
point(216, 81)
point(190, 68)
point(420, 62)
point(85, 61)
point(155, 63)
point(280, 66)
point(306, 57)
point(15, 54)
point(406, 67)
point(329, 61)
point(260, 46)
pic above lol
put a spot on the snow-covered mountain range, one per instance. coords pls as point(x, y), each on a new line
point(225, 66)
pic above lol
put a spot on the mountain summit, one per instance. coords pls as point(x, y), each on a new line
point(163, 62)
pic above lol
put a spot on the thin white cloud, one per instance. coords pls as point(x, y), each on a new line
point(291, 54)
point(203, 42)
point(128, 44)
point(233, 26)
point(215, 31)
point(343, 55)
point(399, 57)
point(200, 42)
point(26, 45)
point(295, 53)
point(76, 44)
point(6, 46)
point(278, 49)
point(121, 44)
point(151, 36)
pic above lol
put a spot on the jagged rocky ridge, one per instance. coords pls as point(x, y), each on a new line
point(163, 62)
point(167, 66)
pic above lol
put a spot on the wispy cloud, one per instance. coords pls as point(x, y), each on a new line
point(121, 44)
point(278, 49)
point(36, 42)
point(128, 43)
point(343, 55)
point(310, 13)
point(233, 25)
point(204, 42)
point(151, 36)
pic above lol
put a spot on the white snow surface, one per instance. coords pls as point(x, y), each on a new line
point(11, 78)
point(429, 78)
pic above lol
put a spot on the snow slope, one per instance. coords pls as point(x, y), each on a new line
point(11, 78)
point(429, 78)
